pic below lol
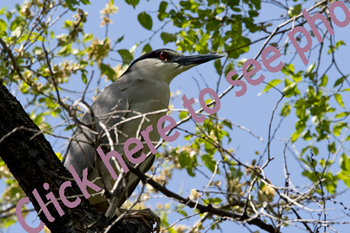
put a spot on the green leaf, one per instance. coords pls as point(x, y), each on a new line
point(2, 10)
point(307, 136)
point(323, 163)
point(285, 110)
point(208, 147)
point(345, 163)
point(56, 112)
point(83, 76)
point(147, 48)
point(8, 222)
point(107, 71)
point(310, 175)
point(167, 37)
point(330, 182)
point(134, 3)
point(324, 81)
point(214, 200)
point(342, 114)
point(331, 147)
point(294, 11)
point(345, 177)
point(8, 15)
point(184, 159)
point(183, 115)
point(71, 3)
point(271, 84)
point(290, 90)
point(120, 39)
point(295, 136)
point(69, 127)
point(253, 13)
point(190, 5)
point(190, 171)
point(161, 12)
point(38, 118)
point(339, 43)
point(145, 20)
point(16, 23)
point(339, 99)
point(42, 100)
point(88, 36)
point(3, 25)
point(126, 56)
point(227, 123)
point(218, 66)
point(180, 211)
point(256, 3)
point(338, 127)
point(241, 62)
point(309, 70)
point(300, 125)
point(209, 162)
point(228, 68)
point(85, 2)
point(338, 81)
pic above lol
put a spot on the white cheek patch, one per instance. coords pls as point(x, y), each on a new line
point(184, 68)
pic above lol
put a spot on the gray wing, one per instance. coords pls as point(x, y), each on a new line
point(81, 149)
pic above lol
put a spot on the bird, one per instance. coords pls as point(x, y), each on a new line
point(112, 119)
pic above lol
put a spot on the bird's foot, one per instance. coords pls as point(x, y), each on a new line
point(142, 215)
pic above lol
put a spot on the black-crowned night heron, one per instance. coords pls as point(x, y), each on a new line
point(142, 89)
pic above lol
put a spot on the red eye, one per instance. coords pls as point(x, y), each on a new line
point(163, 55)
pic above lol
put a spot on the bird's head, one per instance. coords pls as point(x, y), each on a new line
point(166, 64)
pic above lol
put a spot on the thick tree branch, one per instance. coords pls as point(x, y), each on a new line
point(33, 163)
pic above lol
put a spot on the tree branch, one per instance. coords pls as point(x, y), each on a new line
point(202, 208)
point(33, 163)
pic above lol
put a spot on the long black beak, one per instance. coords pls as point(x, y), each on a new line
point(196, 59)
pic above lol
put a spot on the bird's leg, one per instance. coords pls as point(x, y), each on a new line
point(142, 215)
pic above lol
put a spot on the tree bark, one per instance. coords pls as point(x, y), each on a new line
point(32, 162)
